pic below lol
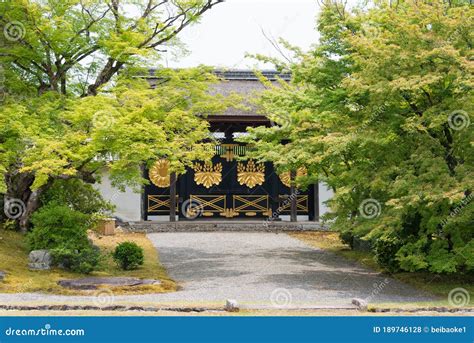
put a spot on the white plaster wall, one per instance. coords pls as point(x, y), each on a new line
point(128, 203)
point(325, 193)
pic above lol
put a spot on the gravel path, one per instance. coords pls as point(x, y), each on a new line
point(256, 269)
point(270, 269)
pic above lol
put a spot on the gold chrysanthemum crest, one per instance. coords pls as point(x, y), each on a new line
point(159, 173)
point(251, 174)
point(285, 177)
point(207, 174)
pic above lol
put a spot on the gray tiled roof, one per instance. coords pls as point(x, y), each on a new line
point(244, 74)
point(244, 83)
point(249, 75)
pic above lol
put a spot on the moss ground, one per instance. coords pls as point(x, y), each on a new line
point(14, 261)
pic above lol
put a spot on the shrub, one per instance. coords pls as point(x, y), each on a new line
point(58, 225)
point(77, 195)
point(347, 237)
point(128, 255)
point(385, 250)
point(63, 231)
point(80, 261)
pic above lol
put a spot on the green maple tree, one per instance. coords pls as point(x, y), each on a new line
point(75, 97)
point(380, 110)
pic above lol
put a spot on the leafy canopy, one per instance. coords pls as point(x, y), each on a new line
point(76, 97)
point(380, 110)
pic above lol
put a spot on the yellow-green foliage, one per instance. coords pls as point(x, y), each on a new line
point(75, 98)
point(380, 111)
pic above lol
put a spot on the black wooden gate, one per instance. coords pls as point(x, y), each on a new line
point(226, 189)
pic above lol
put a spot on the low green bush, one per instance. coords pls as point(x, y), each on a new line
point(79, 261)
point(58, 225)
point(347, 237)
point(385, 249)
point(63, 231)
point(128, 255)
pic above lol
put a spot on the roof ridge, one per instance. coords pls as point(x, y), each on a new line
point(246, 74)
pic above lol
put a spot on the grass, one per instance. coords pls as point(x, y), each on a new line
point(19, 279)
point(439, 285)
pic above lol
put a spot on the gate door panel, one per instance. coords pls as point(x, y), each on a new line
point(227, 188)
point(209, 205)
point(251, 205)
point(301, 204)
point(160, 204)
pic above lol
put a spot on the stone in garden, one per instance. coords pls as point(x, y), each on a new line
point(96, 282)
point(40, 260)
point(231, 305)
point(360, 303)
point(2, 275)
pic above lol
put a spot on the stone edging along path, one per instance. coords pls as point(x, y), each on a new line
point(222, 225)
point(222, 309)
point(102, 308)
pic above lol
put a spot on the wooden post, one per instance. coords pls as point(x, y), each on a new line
point(316, 202)
point(173, 197)
point(274, 196)
point(293, 213)
point(143, 198)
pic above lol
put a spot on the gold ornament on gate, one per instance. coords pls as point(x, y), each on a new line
point(207, 174)
point(229, 213)
point(159, 174)
point(251, 174)
point(285, 177)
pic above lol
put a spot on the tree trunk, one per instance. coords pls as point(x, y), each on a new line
point(173, 197)
point(31, 205)
point(293, 197)
point(17, 195)
point(20, 200)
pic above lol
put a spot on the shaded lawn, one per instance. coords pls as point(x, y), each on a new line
point(439, 285)
point(19, 279)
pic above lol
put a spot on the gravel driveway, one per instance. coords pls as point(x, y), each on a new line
point(270, 269)
point(256, 269)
